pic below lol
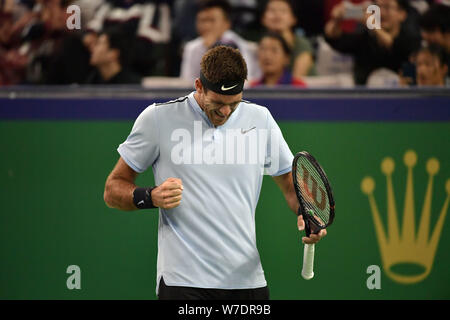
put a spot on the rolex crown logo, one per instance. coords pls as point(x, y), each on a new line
point(406, 246)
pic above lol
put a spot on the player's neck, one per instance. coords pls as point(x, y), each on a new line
point(197, 98)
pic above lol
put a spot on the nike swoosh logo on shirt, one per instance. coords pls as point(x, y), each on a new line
point(245, 131)
point(226, 89)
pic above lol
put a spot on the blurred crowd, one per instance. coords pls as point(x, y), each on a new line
point(302, 43)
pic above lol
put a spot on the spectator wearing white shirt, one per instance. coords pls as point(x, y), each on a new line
point(213, 26)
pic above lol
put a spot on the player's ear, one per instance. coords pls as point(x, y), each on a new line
point(199, 86)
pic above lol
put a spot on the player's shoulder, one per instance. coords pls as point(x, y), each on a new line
point(254, 109)
point(171, 103)
point(164, 107)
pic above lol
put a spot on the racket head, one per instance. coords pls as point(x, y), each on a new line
point(314, 193)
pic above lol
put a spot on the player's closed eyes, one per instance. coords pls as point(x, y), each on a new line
point(218, 105)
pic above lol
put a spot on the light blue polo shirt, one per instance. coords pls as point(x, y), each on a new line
point(209, 240)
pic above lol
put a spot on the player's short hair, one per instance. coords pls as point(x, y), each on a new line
point(223, 64)
point(437, 17)
point(221, 4)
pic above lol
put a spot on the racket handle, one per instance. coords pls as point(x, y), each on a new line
point(308, 262)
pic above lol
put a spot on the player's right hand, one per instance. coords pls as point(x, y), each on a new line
point(168, 195)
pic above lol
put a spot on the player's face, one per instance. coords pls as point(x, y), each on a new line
point(430, 72)
point(278, 16)
point(272, 57)
point(218, 107)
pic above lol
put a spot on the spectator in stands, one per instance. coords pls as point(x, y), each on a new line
point(279, 17)
point(12, 63)
point(213, 26)
point(39, 48)
point(435, 24)
point(111, 60)
point(431, 66)
point(274, 55)
point(387, 47)
point(147, 24)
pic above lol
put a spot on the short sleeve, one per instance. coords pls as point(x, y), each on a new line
point(279, 157)
point(141, 148)
point(302, 45)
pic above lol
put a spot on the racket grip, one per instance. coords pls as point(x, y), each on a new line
point(308, 262)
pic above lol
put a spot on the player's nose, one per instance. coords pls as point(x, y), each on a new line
point(225, 111)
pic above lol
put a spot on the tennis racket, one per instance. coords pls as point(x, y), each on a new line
point(316, 202)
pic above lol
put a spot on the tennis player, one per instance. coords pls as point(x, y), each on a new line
point(202, 150)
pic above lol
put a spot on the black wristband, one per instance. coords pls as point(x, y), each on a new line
point(142, 198)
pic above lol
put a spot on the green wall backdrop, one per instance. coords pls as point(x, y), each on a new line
point(52, 176)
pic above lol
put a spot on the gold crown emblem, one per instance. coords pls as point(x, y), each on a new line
point(405, 247)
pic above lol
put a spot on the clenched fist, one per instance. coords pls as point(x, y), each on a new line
point(168, 195)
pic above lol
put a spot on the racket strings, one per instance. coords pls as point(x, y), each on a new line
point(313, 191)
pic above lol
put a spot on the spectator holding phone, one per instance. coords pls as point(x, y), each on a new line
point(386, 47)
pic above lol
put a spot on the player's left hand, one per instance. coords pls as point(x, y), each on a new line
point(313, 238)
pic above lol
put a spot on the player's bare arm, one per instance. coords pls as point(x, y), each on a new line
point(285, 183)
point(120, 185)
